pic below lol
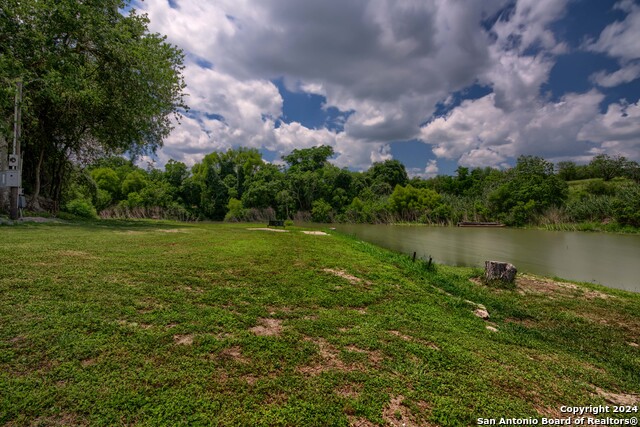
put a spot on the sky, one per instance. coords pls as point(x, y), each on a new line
point(436, 84)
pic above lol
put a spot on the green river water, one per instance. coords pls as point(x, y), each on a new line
point(608, 259)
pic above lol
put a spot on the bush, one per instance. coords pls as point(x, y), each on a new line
point(236, 211)
point(321, 211)
point(82, 209)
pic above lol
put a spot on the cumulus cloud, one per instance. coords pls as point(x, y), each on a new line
point(429, 171)
point(620, 39)
point(618, 130)
point(624, 75)
point(479, 133)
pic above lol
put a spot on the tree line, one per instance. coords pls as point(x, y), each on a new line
point(97, 84)
point(238, 185)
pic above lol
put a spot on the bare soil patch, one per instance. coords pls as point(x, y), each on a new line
point(530, 284)
point(76, 254)
point(234, 353)
point(618, 398)
point(275, 230)
point(349, 391)
point(349, 277)
point(186, 339)
point(330, 359)
point(360, 422)
point(315, 233)
point(268, 327)
point(396, 414)
point(57, 420)
point(171, 230)
point(412, 339)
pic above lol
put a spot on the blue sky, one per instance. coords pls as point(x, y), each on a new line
point(433, 83)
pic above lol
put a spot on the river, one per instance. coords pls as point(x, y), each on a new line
point(611, 260)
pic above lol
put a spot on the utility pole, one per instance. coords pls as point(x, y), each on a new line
point(15, 163)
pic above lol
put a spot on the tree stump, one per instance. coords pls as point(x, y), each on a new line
point(499, 272)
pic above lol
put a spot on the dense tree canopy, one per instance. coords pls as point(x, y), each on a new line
point(95, 82)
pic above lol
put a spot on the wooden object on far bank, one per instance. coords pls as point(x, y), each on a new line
point(496, 271)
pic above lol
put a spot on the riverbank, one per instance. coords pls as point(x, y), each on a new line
point(158, 323)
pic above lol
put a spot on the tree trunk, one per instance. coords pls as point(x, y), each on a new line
point(35, 200)
point(501, 272)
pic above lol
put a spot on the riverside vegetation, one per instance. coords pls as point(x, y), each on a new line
point(173, 323)
point(238, 185)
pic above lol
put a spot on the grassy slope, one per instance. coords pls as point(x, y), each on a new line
point(150, 324)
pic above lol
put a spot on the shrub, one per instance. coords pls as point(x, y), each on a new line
point(321, 211)
point(82, 208)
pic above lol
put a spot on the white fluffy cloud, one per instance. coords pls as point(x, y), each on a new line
point(624, 75)
point(388, 63)
point(620, 39)
point(479, 133)
point(618, 130)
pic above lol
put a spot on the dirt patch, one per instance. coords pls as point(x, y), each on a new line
point(537, 285)
point(633, 344)
point(57, 420)
point(315, 233)
point(130, 232)
point(75, 254)
point(171, 230)
point(273, 310)
point(343, 274)
point(134, 324)
point(275, 230)
point(411, 339)
point(618, 398)
point(375, 356)
point(186, 339)
point(268, 327)
point(234, 353)
point(360, 422)
point(396, 414)
point(349, 391)
point(330, 359)
point(88, 362)
point(524, 322)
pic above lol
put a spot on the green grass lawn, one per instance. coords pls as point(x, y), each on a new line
point(158, 323)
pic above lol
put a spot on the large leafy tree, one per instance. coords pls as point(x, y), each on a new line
point(528, 189)
point(95, 82)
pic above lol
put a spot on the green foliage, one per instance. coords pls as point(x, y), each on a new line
point(321, 211)
point(308, 159)
point(107, 179)
point(627, 205)
point(529, 188)
point(134, 182)
point(235, 210)
point(81, 208)
point(103, 199)
point(95, 81)
point(413, 203)
point(385, 176)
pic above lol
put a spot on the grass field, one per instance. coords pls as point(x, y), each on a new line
point(158, 323)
